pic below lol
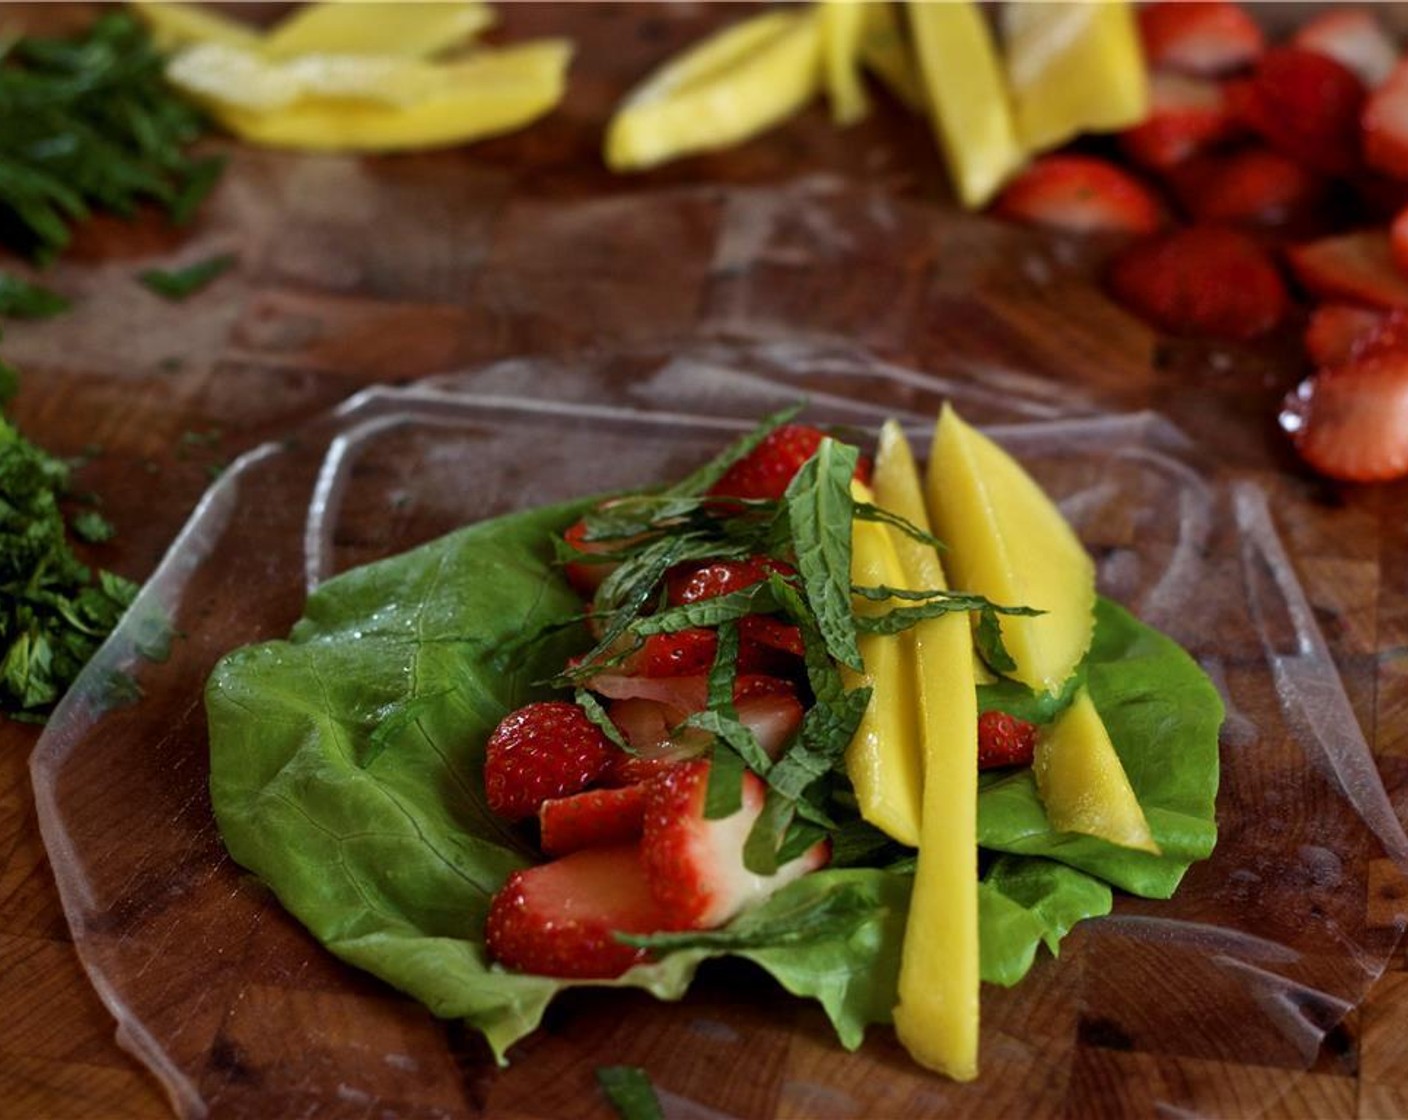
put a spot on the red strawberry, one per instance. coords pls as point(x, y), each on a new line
point(647, 725)
point(1205, 38)
point(681, 653)
point(1351, 422)
point(1385, 123)
point(1080, 194)
point(1305, 105)
point(1255, 186)
point(773, 718)
point(1353, 37)
point(546, 749)
point(1186, 116)
point(1004, 740)
point(1398, 240)
point(1355, 267)
point(557, 919)
point(593, 818)
point(586, 576)
point(768, 645)
point(1337, 332)
point(768, 468)
point(695, 866)
point(1202, 280)
point(693, 583)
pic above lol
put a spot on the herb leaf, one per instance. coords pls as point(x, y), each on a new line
point(818, 508)
point(183, 282)
point(20, 299)
point(630, 1092)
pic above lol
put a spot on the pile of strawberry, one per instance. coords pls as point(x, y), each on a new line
point(620, 780)
point(1267, 180)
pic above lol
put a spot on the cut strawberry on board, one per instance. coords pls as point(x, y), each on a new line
point(1254, 186)
point(542, 750)
point(1201, 280)
point(693, 583)
point(681, 653)
point(1355, 38)
point(559, 918)
point(593, 818)
point(1004, 740)
point(1351, 422)
point(1187, 115)
point(1398, 240)
point(694, 865)
point(586, 576)
point(1305, 105)
point(1385, 124)
point(1209, 39)
point(768, 468)
point(1338, 332)
point(1353, 267)
point(1080, 194)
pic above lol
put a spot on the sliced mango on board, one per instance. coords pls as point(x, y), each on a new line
point(842, 25)
point(937, 1015)
point(886, 54)
point(1083, 784)
point(177, 25)
point(967, 96)
point(1007, 541)
point(732, 85)
point(1072, 67)
point(407, 28)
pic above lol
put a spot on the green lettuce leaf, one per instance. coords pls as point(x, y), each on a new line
point(346, 772)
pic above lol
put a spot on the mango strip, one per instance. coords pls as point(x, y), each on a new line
point(175, 24)
point(886, 54)
point(409, 28)
point(842, 23)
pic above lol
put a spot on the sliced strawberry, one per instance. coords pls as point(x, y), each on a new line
point(649, 727)
point(1355, 38)
point(546, 749)
point(766, 471)
point(1351, 422)
point(1201, 280)
point(1254, 186)
point(1186, 116)
point(586, 576)
point(593, 818)
point(1337, 332)
point(773, 719)
point(558, 919)
point(1385, 123)
point(1208, 38)
point(681, 653)
point(1004, 740)
point(1080, 194)
point(695, 866)
point(1355, 267)
point(693, 583)
point(683, 694)
point(768, 645)
point(1305, 105)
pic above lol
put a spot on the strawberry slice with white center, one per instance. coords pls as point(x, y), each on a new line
point(695, 866)
point(559, 919)
point(1356, 267)
point(1338, 332)
point(1385, 123)
point(1351, 422)
point(590, 819)
point(1355, 38)
point(1209, 38)
point(1186, 116)
point(1081, 194)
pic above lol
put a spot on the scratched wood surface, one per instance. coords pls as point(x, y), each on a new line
point(354, 272)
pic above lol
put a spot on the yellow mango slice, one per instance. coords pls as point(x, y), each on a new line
point(1083, 784)
point(842, 23)
point(177, 25)
point(937, 1015)
point(408, 28)
point(883, 757)
point(1007, 541)
point(490, 93)
point(733, 85)
point(1072, 67)
point(886, 54)
point(967, 94)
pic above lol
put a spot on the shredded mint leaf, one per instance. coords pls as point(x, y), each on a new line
point(92, 527)
point(929, 604)
point(183, 282)
point(630, 1092)
point(20, 299)
point(818, 509)
point(811, 917)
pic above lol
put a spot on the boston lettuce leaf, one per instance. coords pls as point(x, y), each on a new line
point(346, 772)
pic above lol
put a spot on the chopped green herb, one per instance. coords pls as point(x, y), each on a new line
point(183, 282)
point(90, 123)
point(20, 299)
point(92, 527)
point(630, 1092)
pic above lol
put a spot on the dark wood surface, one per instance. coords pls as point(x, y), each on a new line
point(359, 271)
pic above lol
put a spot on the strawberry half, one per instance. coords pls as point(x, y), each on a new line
point(1254, 186)
point(593, 818)
point(1305, 105)
point(1208, 39)
point(1004, 740)
point(766, 471)
point(1337, 332)
point(1201, 280)
point(1355, 267)
point(695, 866)
point(586, 576)
point(1080, 194)
point(1186, 116)
point(693, 583)
point(1355, 38)
point(1351, 422)
point(542, 750)
point(1385, 125)
point(558, 919)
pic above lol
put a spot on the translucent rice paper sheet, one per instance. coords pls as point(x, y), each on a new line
point(1215, 1003)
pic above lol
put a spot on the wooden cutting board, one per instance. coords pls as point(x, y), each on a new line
point(361, 271)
